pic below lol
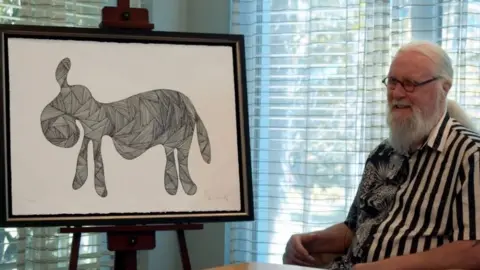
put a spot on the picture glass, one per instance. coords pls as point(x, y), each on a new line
point(111, 127)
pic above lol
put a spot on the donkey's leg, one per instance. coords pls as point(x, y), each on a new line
point(171, 176)
point(81, 172)
point(99, 174)
point(182, 151)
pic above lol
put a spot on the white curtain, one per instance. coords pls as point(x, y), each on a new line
point(43, 247)
point(317, 104)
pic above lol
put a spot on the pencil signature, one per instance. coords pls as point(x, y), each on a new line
point(211, 197)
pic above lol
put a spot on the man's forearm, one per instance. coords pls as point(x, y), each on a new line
point(336, 239)
point(456, 255)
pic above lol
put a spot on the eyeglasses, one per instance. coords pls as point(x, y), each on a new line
point(409, 86)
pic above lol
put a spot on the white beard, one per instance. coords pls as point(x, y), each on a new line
point(406, 133)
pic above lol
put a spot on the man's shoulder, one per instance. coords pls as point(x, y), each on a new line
point(382, 148)
point(469, 137)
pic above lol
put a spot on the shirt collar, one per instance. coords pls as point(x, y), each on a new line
point(437, 138)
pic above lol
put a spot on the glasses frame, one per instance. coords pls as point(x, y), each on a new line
point(411, 88)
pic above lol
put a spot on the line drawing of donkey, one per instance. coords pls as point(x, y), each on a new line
point(135, 124)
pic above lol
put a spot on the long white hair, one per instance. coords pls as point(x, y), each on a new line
point(455, 111)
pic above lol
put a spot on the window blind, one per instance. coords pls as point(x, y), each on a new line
point(317, 104)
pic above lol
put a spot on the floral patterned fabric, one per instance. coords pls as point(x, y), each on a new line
point(385, 171)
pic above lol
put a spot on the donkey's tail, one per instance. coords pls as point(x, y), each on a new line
point(203, 140)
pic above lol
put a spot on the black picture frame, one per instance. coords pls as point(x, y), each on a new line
point(236, 42)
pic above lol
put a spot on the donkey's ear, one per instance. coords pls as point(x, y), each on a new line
point(62, 71)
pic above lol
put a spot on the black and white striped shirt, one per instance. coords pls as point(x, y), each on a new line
point(412, 204)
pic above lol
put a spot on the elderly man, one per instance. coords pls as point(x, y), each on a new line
point(418, 204)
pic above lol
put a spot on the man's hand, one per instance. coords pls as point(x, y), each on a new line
point(296, 251)
point(318, 248)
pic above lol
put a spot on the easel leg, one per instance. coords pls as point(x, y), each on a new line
point(74, 251)
point(125, 260)
point(182, 243)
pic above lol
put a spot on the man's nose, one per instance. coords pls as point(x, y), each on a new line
point(398, 92)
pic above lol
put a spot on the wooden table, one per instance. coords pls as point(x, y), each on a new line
point(261, 266)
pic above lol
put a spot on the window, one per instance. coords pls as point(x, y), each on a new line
point(317, 104)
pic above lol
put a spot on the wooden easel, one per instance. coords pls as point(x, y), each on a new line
point(125, 241)
point(124, 17)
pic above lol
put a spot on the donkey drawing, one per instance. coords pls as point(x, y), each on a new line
point(135, 124)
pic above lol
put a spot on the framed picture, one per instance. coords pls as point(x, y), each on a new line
point(121, 127)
